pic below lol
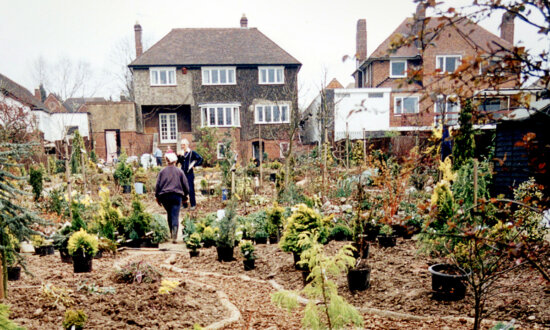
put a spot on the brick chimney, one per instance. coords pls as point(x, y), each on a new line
point(244, 22)
point(139, 46)
point(418, 22)
point(37, 94)
point(361, 41)
point(507, 27)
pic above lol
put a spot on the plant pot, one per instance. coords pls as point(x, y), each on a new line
point(372, 232)
point(207, 244)
point(261, 240)
point(44, 250)
point(82, 263)
point(204, 192)
point(305, 275)
point(126, 189)
point(249, 264)
point(65, 256)
point(399, 230)
point(448, 282)
point(225, 253)
point(99, 254)
point(14, 273)
point(273, 240)
point(134, 243)
point(358, 278)
point(193, 254)
point(361, 253)
point(272, 177)
point(387, 241)
point(147, 243)
point(297, 258)
point(138, 186)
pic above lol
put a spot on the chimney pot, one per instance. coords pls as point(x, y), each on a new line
point(139, 46)
point(507, 27)
point(37, 94)
point(361, 41)
point(420, 11)
point(244, 22)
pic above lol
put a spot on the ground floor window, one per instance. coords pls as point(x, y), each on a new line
point(168, 123)
point(220, 115)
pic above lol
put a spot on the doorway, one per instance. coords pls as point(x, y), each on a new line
point(112, 144)
point(256, 150)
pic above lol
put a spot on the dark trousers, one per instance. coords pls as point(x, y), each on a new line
point(191, 182)
point(172, 204)
point(159, 161)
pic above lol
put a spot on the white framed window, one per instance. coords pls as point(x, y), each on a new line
point(219, 75)
point(405, 104)
point(162, 76)
point(220, 152)
point(271, 75)
point(447, 63)
point(168, 126)
point(451, 104)
point(220, 115)
point(283, 147)
point(272, 114)
point(492, 66)
point(398, 69)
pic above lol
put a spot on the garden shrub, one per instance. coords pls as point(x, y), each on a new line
point(340, 232)
point(275, 218)
point(139, 222)
point(529, 221)
point(227, 227)
point(74, 318)
point(304, 219)
point(57, 202)
point(5, 322)
point(82, 243)
point(36, 181)
point(159, 227)
point(140, 272)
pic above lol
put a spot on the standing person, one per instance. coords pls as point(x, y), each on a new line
point(158, 155)
point(171, 192)
point(189, 159)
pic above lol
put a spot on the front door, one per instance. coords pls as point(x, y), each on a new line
point(256, 150)
point(111, 145)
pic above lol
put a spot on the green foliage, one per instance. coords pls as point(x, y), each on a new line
point(57, 203)
point(357, 155)
point(160, 229)
point(93, 156)
point(5, 322)
point(207, 144)
point(82, 243)
point(227, 227)
point(291, 195)
point(189, 227)
point(139, 222)
point(325, 308)
point(209, 236)
point(344, 188)
point(227, 164)
point(74, 318)
point(123, 173)
point(193, 242)
point(529, 221)
point(275, 217)
point(77, 146)
point(140, 272)
point(36, 181)
point(247, 249)
point(386, 230)
point(109, 218)
point(464, 141)
point(77, 222)
point(304, 219)
point(340, 231)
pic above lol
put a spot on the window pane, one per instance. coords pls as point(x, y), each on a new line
point(440, 61)
point(398, 104)
point(220, 116)
point(231, 76)
point(271, 73)
point(173, 129)
point(223, 77)
point(263, 75)
point(228, 116)
point(409, 104)
point(279, 75)
point(268, 114)
point(205, 76)
point(276, 113)
point(171, 77)
point(236, 116)
point(212, 112)
point(163, 78)
point(398, 68)
point(452, 106)
point(260, 113)
point(450, 64)
point(154, 77)
point(214, 76)
point(284, 113)
point(204, 113)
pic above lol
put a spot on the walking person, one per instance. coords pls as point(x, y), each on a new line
point(158, 155)
point(189, 159)
point(171, 192)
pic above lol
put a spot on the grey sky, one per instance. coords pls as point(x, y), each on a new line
point(316, 32)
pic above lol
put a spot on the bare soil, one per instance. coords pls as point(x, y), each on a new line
point(400, 282)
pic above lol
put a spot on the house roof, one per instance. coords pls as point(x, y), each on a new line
point(74, 104)
point(20, 93)
point(476, 34)
point(213, 46)
point(334, 83)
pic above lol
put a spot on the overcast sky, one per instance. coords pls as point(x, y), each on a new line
point(316, 32)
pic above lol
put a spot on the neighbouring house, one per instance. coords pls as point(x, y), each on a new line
point(79, 104)
point(352, 113)
point(236, 80)
point(423, 88)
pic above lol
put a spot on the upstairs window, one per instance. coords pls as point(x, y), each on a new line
point(218, 76)
point(272, 114)
point(450, 104)
point(271, 75)
point(447, 63)
point(398, 69)
point(405, 104)
point(163, 76)
point(220, 115)
point(492, 66)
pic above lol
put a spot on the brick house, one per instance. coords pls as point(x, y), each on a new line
point(233, 79)
point(416, 104)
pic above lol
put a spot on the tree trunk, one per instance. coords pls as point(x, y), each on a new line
point(68, 177)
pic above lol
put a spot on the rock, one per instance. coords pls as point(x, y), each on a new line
point(37, 312)
point(531, 318)
point(343, 200)
point(429, 189)
point(346, 208)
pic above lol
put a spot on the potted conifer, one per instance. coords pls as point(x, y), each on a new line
point(82, 247)
point(247, 250)
point(193, 242)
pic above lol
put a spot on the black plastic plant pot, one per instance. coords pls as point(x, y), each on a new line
point(261, 240)
point(65, 256)
point(448, 282)
point(361, 252)
point(358, 279)
point(305, 277)
point(249, 264)
point(225, 253)
point(82, 263)
point(193, 254)
point(44, 250)
point(297, 258)
point(99, 254)
point(273, 240)
point(387, 241)
point(126, 189)
point(372, 232)
point(14, 273)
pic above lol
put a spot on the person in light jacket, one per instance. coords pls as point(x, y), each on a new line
point(158, 156)
point(171, 192)
point(188, 160)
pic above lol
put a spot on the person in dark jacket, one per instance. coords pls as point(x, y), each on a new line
point(171, 192)
point(188, 160)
